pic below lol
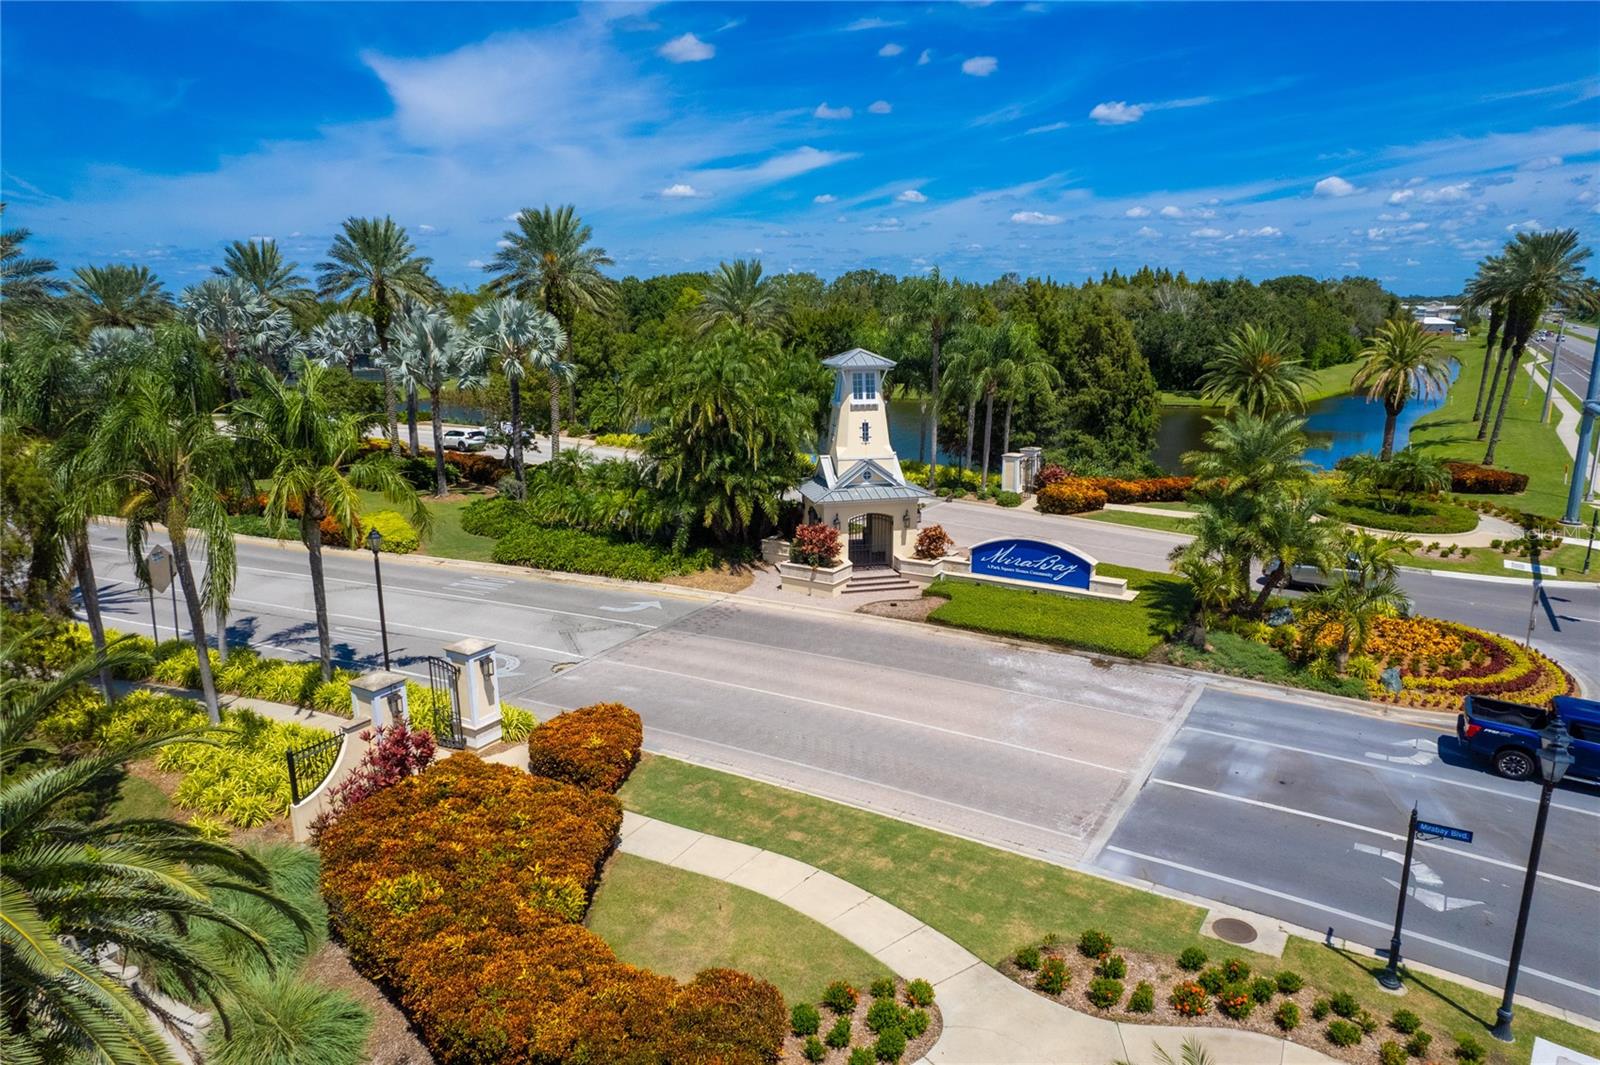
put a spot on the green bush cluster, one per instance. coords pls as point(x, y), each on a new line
point(572, 551)
point(632, 441)
point(1053, 976)
point(1112, 967)
point(1289, 982)
point(1406, 516)
point(1143, 999)
point(1192, 959)
point(920, 993)
point(1027, 958)
point(804, 1019)
point(1287, 1016)
point(839, 1035)
point(951, 478)
point(1343, 1033)
point(1105, 992)
point(399, 538)
point(1008, 499)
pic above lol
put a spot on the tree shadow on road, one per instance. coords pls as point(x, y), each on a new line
point(1416, 983)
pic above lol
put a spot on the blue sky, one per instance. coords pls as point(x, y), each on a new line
point(1398, 141)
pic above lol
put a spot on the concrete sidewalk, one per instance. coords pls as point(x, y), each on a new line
point(988, 1018)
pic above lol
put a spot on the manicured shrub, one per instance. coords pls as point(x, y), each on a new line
point(815, 545)
point(243, 778)
point(1070, 496)
point(861, 1056)
point(399, 538)
point(1192, 960)
point(1105, 992)
point(1094, 944)
point(720, 1015)
point(1213, 980)
point(575, 551)
point(1112, 967)
point(813, 1050)
point(1189, 999)
point(840, 997)
point(1287, 1016)
point(515, 723)
point(1405, 1022)
point(891, 1045)
point(1008, 499)
point(594, 747)
point(919, 992)
point(882, 987)
point(1417, 1045)
point(491, 517)
point(1143, 999)
point(475, 467)
point(916, 1022)
point(1262, 988)
point(1027, 958)
point(1485, 480)
point(1049, 475)
point(1468, 1050)
point(1053, 976)
point(1289, 982)
point(1146, 490)
point(1234, 1001)
point(804, 1019)
point(1344, 1004)
point(884, 1013)
point(394, 752)
point(1320, 1009)
point(1343, 1034)
point(1235, 970)
point(933, 542)
point(1391, 1053)
point(838, 1036)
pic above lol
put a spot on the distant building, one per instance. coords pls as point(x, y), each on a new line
point(1432, 324)
point(1452, 311)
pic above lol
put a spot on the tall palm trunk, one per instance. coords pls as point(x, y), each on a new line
point(555, 414)
point(311, 534)
point(411, 421)
point(380, 323)
point(1483, 377)
point(391, 416)
point(972, 422)
point(1005, 433)
point(222, 633)
point(440, 485)
point(514, 449)
point(988, 434)
point(936, 342)
point(83, 566)
point(1494, 380)
point(1505, 401)
point(197, 619)
point(1391, 416)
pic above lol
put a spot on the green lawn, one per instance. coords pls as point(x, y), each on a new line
point(1163, 522)
point(1568, 559)
point(139, 798)
point(1416, 517)
point(1130, 629)
point(447, 540)
point(1526, 445)
point(1177, 505)
point(677, 922)
point(992, 901)
point(1326, 382)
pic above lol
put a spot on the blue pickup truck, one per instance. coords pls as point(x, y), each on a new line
point(1507, 734)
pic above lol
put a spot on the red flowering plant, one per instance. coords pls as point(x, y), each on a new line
point(815, 545)
point(396, 752)
point(933, 542)
point(1190, 1000)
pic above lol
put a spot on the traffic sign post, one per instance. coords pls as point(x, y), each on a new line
point(158, 578)
point(1390, 977)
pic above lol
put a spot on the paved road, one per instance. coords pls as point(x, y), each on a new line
point(1300, 813)
point(1574, 360)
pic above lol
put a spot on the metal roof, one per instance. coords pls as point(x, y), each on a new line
point(858, 359)
point(816, 492)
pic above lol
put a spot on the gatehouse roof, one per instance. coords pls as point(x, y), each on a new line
point(858, 359)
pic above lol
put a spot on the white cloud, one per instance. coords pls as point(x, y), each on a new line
point(888, 225)
point(1547, 162)
point(911, 196)
point(687, 49)
point(1169, 211)
point(1391, 232)
point(502, 243)
point(679, 191)
point(1447, 193)
point(1264, 231)
point(1136, 212)
point(1146, 232)
point(1116, 113)
point(1528, 223)
point(891, 49)
point(880, 107)
point(870, 24)
point(824, 111)
point(476, 264)
point(1035, 218)
point(421, 228)
point(1394, 216)
point(1401, 195)
point(1335, 187)
point(1050, 128)
point(1207, 232)
point(980, 66)
point(826, 197)
point(925, 58)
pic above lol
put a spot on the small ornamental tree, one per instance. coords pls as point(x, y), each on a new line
point(395, 752)
point(933, 542)
point(815, 545)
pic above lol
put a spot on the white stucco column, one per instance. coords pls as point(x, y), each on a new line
point(1011, 471)
point(477, 691)
point(379, 697)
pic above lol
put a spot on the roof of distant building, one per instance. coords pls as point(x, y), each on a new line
point(858, 359)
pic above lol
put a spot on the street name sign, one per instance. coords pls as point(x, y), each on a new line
point(1459, 835)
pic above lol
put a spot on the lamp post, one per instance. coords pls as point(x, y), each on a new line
point(1555, 756)
point(1587, 415)
point(374, 542)
point(1555, 357)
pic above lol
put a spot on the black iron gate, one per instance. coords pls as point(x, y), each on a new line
point(310, 765)
point(869, 539)
point(442, 715)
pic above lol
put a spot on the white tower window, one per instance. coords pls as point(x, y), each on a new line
point(863, 386)
point(866, 432)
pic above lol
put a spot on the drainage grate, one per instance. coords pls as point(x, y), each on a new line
point(1233, 930)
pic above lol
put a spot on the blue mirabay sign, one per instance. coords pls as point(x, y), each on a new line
point(1036, 561)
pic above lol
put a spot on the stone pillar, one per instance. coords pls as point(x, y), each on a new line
point(477, 691)
point(379, 697)
point(1011, 472)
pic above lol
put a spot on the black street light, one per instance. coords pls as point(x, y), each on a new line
point(1555, 756)
point(374, 543)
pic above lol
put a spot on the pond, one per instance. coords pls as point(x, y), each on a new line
point(1339, 427)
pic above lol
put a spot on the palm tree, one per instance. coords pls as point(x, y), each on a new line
point(342, 339)
point(516, 334)
point(1258, 370)
point(239, 320)
point(259, 264)
point(310, 451)
point(24, 280)
point(738, 295)
point(373, 259)
point(1373, 557)
point(1541, 269)
point(990, 357)
point(1479, 293)
point(1025, 372)
point(1289, 534)
point(1353, 605)
point(428, 343)
point(1247, 454)
point(74, 893)
point(82, 493)
point(545, 260)
point(1213, 585)
point(1401, 361)
point(941, 307)
point(118, 295)
point(170, 464)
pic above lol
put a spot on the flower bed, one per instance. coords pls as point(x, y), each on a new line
point(463, 888)
point(1093, 976)
point(891, 1021)
point(1401, 515)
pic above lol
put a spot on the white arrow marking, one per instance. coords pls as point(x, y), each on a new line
point(633, 608)
point(1418, 756)
point(1420, 871)
point(1436, 901)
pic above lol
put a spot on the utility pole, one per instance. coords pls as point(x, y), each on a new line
point(1589, 411)
point(1555, 357)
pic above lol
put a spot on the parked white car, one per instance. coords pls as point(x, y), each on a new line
point(465, 439)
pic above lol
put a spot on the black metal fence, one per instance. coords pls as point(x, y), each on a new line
point(310, 765)
point(443, 715)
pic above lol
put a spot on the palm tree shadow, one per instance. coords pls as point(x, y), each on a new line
point(1416, 983)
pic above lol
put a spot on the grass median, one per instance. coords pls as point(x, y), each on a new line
point(993, 901)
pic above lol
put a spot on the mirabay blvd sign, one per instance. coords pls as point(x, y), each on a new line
point(1042, 564)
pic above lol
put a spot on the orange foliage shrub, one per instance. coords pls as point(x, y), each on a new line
point(1147, 490)
point(593, 747)
point(1071, 496)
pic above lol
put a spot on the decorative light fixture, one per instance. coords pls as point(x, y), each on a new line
point(906, 518)
point(835, 522)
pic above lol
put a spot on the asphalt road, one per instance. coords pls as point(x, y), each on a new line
point(1575, 359)
point(1301, 813)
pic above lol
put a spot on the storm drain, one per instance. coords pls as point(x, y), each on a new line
point(1233, 930)
point(562, 667)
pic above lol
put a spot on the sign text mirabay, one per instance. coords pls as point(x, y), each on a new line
point(1035, 561)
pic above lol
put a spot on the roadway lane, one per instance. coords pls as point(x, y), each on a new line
point(1574, 360)
point(1300, 813)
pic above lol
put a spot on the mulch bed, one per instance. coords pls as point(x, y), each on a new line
point(906, 609)
point(392, 1042)
point(1163, 973)
point(861, 1035)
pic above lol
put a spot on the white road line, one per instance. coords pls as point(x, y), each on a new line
point(1385, 768)
point(884, 668)
point(852, 710)
point(1457, 851)
point(1313, 904)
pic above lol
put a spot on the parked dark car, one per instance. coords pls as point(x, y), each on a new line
point(1507, 734)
